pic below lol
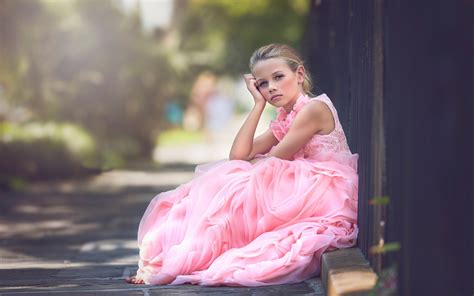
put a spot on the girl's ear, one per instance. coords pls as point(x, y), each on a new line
point(300, 73)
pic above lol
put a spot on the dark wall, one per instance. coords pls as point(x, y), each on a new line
point(400, 75)
point(429, 124)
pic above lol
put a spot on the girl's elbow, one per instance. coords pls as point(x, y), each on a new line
point(235, 156)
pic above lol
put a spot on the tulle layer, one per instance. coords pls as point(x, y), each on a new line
point(242, 224)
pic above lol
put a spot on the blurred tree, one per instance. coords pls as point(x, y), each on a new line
point(86, 62)
point(119, 77)
point(23, 24)
point(224, 33)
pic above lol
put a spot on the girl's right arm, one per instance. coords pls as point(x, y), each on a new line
point(244, 146)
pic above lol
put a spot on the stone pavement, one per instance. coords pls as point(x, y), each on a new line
point(79, 237)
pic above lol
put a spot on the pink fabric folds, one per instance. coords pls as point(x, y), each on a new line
point(242, 224)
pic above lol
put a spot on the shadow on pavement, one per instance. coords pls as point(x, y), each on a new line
point(79, 237)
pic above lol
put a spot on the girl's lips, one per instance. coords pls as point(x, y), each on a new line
point(274, 97)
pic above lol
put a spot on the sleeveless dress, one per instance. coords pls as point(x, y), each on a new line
point(242, 224)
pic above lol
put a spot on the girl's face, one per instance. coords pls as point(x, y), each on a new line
point(277, 83)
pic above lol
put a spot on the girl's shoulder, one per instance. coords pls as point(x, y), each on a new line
point(317, 111)
point(315, 108)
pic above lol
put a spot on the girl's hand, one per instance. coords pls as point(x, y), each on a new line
point(255, 160)
point(252, 87)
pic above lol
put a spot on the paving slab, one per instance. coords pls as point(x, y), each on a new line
point(78, 237)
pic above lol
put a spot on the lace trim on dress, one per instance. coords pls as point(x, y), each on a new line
point(332, 142)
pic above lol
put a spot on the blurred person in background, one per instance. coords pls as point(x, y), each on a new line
point(195, 115)
point(219, 110)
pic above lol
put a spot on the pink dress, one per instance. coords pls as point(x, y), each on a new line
point(242, 224)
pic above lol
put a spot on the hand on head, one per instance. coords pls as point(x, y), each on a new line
point(251, 83)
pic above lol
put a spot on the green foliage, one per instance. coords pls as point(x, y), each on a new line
point(86, 62)
point(178, 136)
point(224, 33)
point(382, 200)
point(388, 247)
point(43, 150)
point(386, 284)
point(75, 139)
point(387, 278)
point(22, 45)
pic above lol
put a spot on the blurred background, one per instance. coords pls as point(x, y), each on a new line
point(87, 86)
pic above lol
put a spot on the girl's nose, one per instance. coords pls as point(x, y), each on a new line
point(271, 87)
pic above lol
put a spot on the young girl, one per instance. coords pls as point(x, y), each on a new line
point(266, 215)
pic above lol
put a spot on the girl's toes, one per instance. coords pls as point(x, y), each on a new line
point(129, 279)
point(134, 280)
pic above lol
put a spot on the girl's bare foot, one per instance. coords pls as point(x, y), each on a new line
point(134, 280)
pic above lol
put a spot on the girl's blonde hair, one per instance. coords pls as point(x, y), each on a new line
point(289, 54)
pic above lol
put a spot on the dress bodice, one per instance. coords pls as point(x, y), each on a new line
point(333, 142)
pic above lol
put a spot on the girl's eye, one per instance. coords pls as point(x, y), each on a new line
point(262, 84)
point(278, 77)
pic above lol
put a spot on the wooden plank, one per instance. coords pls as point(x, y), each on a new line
point(355, 280)
point(346, 271)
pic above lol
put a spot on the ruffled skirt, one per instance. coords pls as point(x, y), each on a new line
point(242, 224)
